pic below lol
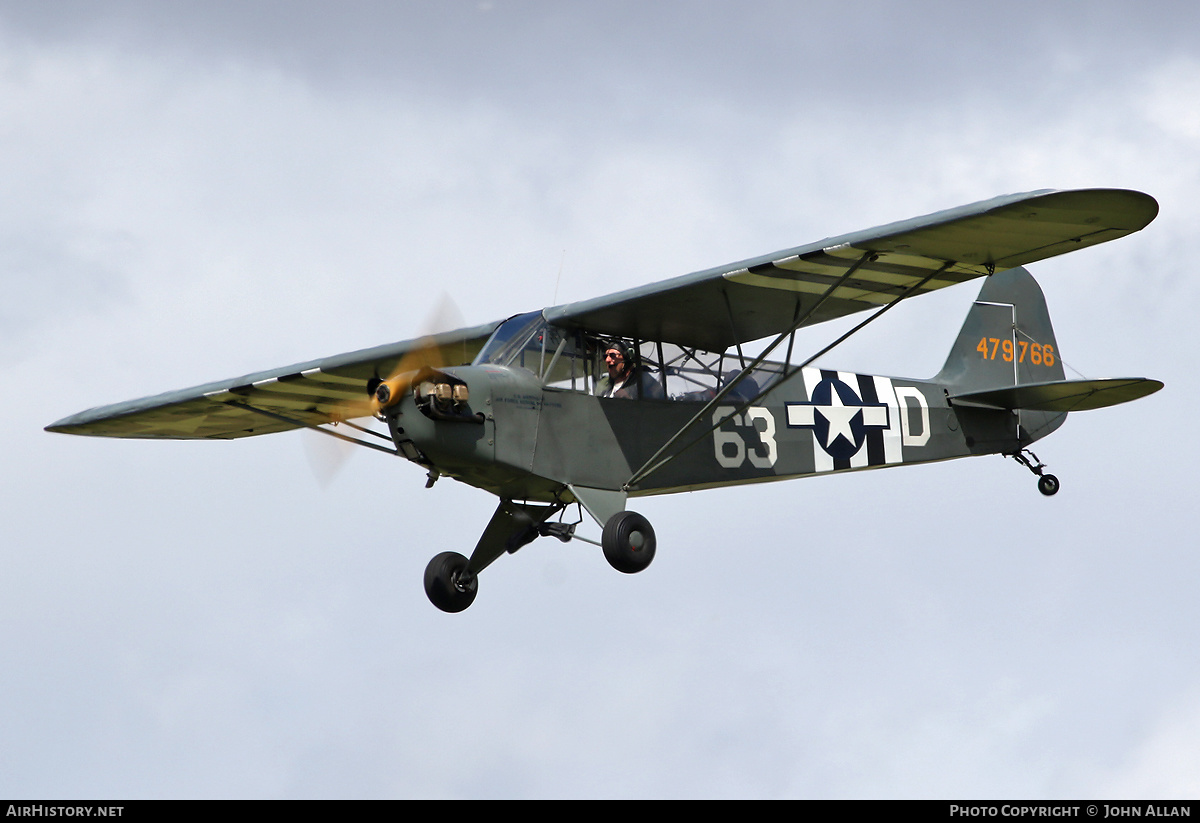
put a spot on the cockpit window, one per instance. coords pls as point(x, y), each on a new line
point(509, 342)
point(560, 357)
point(696, 376)
point(572, 359)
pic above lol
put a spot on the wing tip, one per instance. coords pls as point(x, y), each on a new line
point(67, 425)
point(1137, 208)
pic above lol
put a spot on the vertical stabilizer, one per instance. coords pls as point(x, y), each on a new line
point(1006, 341)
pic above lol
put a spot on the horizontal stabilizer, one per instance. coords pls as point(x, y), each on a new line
point(1063, 395)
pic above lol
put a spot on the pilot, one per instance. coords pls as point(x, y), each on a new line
point(627, 378)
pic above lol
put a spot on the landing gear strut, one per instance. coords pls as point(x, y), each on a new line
point(1047, 483)
point(452, 581)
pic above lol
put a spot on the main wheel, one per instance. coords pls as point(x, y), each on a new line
point(628, 542)
point(1048, 484)
point(444, 585)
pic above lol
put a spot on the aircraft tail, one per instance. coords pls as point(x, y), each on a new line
point(1005, 347)
point(1007, 339)
point(1005, 376)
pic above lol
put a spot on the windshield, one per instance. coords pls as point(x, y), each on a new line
point(509, 342)
point(557, 356)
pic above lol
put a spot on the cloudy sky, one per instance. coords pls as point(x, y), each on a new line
point(193, 191)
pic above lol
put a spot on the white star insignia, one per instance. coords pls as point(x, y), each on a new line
point(839, 417)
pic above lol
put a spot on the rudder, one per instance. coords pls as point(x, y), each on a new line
point(1007, 340)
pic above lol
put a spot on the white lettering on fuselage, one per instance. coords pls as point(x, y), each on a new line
point(903, 395)
point(730, 446)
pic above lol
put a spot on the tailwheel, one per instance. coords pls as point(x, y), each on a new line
point(447, 583)
point(1047, 483)
point(628, 542)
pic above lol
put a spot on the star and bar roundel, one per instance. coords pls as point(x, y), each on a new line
point(857, 420)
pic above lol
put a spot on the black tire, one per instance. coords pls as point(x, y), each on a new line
point(442, 583)
point(628, 542)
point(1048, 484)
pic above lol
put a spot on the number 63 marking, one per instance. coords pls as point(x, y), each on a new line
point(730, 446)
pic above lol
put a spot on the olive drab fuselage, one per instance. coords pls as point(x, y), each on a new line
point(522, 439)
point(534, 441)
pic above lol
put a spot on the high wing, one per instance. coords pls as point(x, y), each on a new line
point(306, 394)
point(710, 310)
point(745, 301)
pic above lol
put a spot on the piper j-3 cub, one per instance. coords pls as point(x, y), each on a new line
point(649, 391)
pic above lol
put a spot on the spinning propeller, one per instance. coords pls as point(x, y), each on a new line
point(327, 455)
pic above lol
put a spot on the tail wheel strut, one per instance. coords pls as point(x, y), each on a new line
point(1047, 483)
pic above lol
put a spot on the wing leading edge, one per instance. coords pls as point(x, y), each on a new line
point(745, 301)
point(307, 394)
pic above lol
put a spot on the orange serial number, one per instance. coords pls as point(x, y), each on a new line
point(1038, 354)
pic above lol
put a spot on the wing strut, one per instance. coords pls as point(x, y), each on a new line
point(650, 466)
point(733, 328)
point(293, 421)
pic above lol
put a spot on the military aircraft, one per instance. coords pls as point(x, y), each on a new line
point(651, 390)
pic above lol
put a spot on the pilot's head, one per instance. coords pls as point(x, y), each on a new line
point(617, 358)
